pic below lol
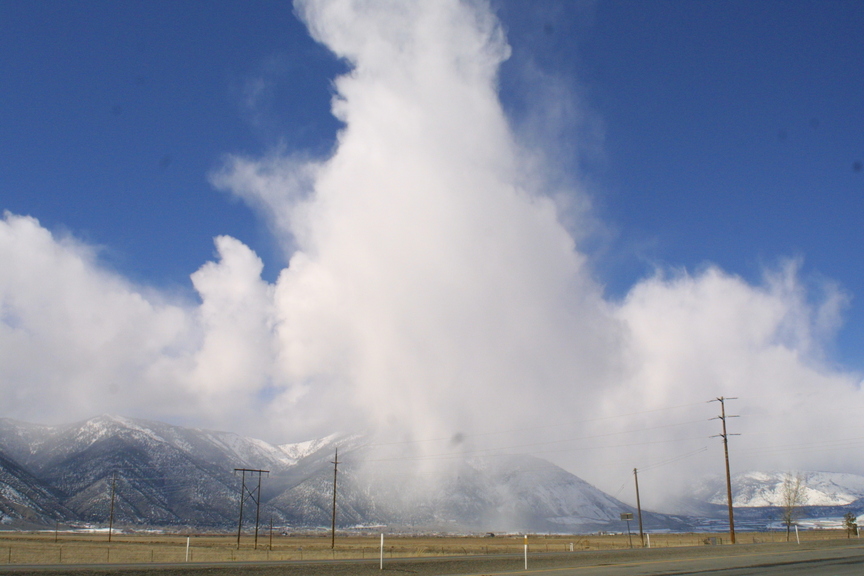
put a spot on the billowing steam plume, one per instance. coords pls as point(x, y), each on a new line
point(432, 295)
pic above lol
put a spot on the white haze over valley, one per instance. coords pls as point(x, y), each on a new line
point(435, 296)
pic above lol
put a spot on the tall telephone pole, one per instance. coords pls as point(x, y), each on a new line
point(253, 494)
point(111, 512)
point(333, 523)
point(639, 508)
point(725, 437)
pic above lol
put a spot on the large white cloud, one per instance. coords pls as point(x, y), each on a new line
point(77, 339)
point(432, 292)
point(236, 321)
point(72, 335)
point(692, 338)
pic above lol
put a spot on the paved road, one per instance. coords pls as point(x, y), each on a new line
point(829, 558)
point(809, 562)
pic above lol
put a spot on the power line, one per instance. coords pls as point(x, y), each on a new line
point(674, 459)
point(824, 446)
point(530, 428)
point(658, 465)
point(448, 455)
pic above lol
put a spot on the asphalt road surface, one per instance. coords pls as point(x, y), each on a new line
point(827, 558)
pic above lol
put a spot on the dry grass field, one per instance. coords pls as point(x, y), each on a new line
point(84, 548)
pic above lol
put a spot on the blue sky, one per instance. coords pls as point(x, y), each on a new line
point(717, 138)
point(735, 135)
point(113, 114)
point(730, 131)
point(733, 129)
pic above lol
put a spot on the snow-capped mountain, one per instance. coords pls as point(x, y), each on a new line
point(38, 447)
point(473, 494)
point(759, 497)
point(173, 475)
point(165, 474)
point(298, 451)
point(760, 489)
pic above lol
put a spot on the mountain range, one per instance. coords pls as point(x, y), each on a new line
point(766, 489)
point(163, 475)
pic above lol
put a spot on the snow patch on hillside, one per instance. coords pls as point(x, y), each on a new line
point(300, 450)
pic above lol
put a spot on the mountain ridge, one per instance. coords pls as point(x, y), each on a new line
point(171, 475)
point(758, 489)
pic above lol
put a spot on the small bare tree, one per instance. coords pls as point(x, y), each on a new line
point(851, 524)
point(791, 500)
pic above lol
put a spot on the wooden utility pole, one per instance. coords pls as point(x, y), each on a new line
point(257, 510)
point(639, 508)
point(725, 437)
point(333, 522)
point(242, 500)
point(111, 512)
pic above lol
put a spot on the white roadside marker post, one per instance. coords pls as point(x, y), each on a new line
point(382, 551)
point(526, 552)
point(187, 548)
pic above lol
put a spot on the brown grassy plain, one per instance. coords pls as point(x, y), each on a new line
point(84, 548)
